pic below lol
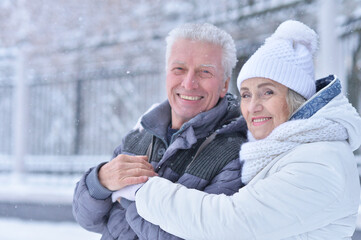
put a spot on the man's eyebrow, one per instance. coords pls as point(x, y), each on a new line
point(208, 65)
point(202, 65)
point(178, 62)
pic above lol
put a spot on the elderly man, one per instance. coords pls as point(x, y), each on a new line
point(193, 138)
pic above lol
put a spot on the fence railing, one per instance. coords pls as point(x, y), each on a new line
point(74, 116)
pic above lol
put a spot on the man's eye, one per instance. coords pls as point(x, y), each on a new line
point(178, 71)
point(205, 73)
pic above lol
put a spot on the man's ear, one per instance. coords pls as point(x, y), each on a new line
point(225, 88)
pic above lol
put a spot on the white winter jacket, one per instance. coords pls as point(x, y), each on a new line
point(310, 192)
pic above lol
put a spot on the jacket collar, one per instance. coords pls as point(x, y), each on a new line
point(327, 89)
point(158, 119)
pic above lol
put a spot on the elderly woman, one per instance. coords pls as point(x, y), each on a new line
point(301, 174)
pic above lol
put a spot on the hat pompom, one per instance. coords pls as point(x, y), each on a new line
point(298, 33)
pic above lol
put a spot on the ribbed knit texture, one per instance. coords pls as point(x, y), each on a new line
point(258, 154)
point(286, 57)
point(215, 156)
point(137, 142)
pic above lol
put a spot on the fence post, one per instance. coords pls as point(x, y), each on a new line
point(78, 116)
point(329, 49)
point(20, 118)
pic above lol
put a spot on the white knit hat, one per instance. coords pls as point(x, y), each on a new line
point(286, 57)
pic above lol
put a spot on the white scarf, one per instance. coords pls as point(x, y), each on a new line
point(258, 154)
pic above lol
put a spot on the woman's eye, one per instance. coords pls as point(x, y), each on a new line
point(269, 92)
point(245, 95)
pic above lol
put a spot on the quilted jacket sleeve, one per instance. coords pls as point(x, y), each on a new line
point(94, 210)
point(89, 212)
point(98, 214)
point(228, 181)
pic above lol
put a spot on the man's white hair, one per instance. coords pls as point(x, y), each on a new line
point(205, 32)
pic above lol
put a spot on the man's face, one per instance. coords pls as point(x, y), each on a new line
point(195, 79)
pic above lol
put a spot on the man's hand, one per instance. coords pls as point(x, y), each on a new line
point(125, 170)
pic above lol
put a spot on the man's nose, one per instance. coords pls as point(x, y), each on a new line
point(190, 80)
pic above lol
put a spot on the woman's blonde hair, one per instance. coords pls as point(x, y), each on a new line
point(294, 101)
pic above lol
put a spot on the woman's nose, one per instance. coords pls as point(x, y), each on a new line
point(190, 81)
point(255, 105)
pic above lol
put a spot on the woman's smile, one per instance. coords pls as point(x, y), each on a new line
point(260, 120)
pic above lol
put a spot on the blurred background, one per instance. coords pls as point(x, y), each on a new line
point(76, 75)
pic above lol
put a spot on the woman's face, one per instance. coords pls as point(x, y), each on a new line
point(263, 105)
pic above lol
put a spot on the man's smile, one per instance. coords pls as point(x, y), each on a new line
point(190, 98)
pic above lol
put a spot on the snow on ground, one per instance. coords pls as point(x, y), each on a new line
point(48, 189)
point(37, 188)
point(15, 229)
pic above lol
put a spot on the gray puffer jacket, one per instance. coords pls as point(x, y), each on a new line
point(213, 169)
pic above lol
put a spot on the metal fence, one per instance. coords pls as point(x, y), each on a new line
point(74, 118)
point(6, 92)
